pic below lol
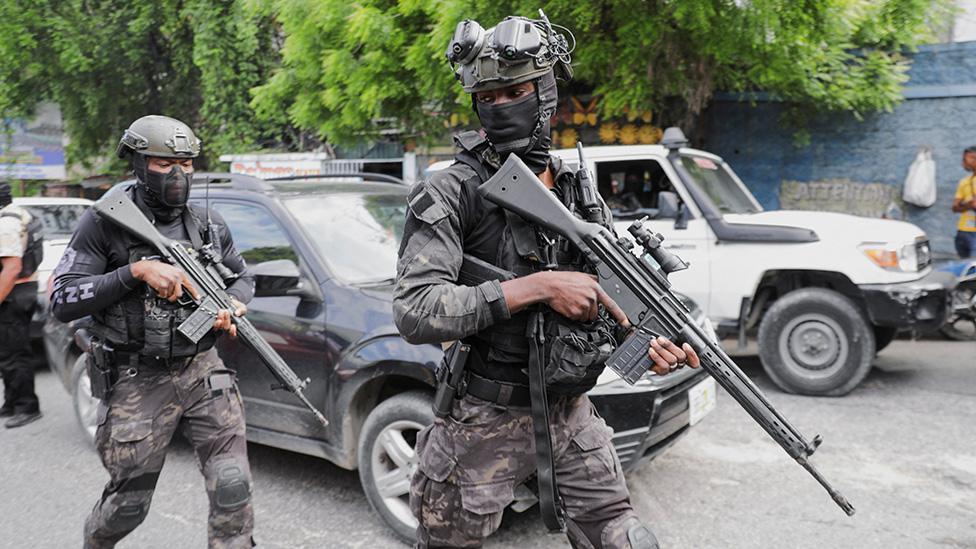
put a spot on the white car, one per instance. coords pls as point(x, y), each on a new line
point(60, 217)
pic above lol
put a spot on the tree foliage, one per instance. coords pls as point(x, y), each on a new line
point(247, 73)
point(109, 62)
point(347, 65)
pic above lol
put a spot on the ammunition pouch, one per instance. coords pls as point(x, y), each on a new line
point(150, 326)
point(101, 372)
point(575, 353)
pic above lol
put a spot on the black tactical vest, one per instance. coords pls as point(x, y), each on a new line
point(144, 323)
point(576, 351)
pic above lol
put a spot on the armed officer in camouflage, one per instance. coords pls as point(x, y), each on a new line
point(151, 379)
point(471, 461)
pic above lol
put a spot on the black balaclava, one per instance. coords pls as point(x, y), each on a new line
point(6, 196)
point(164, 193)
point(522, 126)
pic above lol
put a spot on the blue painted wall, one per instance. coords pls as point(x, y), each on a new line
point(939, 110)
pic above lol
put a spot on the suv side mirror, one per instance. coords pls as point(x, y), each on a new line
point(667, 205)
point(681, 222)
point(277, 278)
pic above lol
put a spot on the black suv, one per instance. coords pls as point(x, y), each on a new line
point(336, 328)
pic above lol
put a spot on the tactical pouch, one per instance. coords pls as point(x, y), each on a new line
point(160, 329)
point(100, 371)
point(575, 350)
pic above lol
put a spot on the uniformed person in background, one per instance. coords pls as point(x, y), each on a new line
point(158, 380)
point(21, 250)
point(471, 462)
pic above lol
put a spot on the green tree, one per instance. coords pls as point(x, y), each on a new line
point(109, 62)
point(347, 65)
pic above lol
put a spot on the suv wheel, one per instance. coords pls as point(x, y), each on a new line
point(387, 458)
point(85, 405)
point(816, 342)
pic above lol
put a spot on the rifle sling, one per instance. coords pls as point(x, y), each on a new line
point(192, 229)
point(549, 502)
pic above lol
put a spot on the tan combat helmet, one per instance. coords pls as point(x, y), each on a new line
point(515, 50)
point(160, 136)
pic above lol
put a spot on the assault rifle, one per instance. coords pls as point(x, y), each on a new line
point(640, 287)
point(118, 208)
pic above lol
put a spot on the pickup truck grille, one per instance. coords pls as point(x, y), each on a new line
point(923, 253)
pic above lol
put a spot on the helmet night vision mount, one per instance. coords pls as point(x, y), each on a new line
point(515, 50)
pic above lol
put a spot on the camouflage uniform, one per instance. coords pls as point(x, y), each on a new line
point(136, 425)
point(153, 397)
point(471, 462)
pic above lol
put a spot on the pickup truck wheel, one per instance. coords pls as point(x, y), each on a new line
point(883, 335)
point(85, 405)
point(387, 458)
point(816, 342)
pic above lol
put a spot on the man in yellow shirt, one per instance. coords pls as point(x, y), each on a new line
point(965, 204)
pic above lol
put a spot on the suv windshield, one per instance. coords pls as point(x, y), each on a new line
point(358, 235)
point(717, 182)
point(58, 220)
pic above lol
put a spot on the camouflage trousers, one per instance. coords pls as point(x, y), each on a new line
point(146, 407)
point(471, 462)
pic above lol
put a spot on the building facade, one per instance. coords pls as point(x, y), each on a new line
point(859, 166)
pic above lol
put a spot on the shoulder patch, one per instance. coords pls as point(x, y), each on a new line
point(469, 140)
point(426, 206)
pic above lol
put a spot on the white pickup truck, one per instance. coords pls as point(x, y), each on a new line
point(826, 290)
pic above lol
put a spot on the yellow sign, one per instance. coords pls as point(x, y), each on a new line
point(578, 119)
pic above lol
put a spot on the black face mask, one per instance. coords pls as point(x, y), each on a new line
point(522, 126)
point(164, 193)
point(514, 128)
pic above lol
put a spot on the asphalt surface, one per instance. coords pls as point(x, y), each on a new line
point(901, 447)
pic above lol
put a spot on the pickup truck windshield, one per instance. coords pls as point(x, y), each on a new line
point(715, 180)
point(357, 235)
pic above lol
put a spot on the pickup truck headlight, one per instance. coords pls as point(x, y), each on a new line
point(893, 258)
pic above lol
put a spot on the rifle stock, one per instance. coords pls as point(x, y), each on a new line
point(118, 208)
point(511, 188)
point(643, 293)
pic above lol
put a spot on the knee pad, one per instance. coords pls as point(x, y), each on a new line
point(627, 531)
point(233, 488)
point(641, 537)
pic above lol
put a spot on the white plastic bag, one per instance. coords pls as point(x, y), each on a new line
point(920, 183)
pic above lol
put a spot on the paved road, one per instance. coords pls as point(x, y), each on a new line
point(901, 447)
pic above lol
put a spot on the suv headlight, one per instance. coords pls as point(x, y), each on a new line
point(892, 257)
